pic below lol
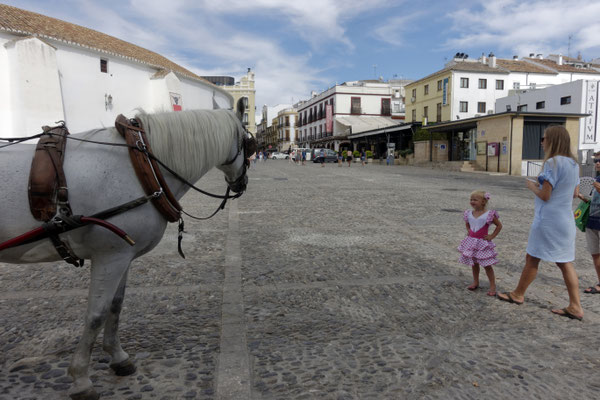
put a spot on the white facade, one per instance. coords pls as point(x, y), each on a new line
point(579, 97)
point(359, 99)
point(44, 81)
point(482, 101)
point(287, 128)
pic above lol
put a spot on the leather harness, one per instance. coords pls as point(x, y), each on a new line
point(147, 169)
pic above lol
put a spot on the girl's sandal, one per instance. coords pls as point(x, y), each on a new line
point(490, 293)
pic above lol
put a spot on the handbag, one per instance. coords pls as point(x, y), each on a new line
point(582, 213)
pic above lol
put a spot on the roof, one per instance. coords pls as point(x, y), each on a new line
point(503, 66)
point(562, 68)
point(363, 123)
point(522, 66)
point(26, 23)
point(473, 121)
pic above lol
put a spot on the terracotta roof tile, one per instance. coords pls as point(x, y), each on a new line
point(523, 66)
point(562, 68)
point(27, 23)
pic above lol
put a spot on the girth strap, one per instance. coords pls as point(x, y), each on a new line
point(147, 170)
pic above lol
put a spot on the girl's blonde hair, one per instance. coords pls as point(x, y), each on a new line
point(559, 142)
point(484, 195)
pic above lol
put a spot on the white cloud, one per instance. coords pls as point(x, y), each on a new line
point(393, 30)
point(523, 27)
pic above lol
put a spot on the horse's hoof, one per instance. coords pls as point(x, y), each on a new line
point(88, 394)
point(124, 368)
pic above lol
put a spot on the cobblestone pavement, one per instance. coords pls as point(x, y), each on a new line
point(326, 283)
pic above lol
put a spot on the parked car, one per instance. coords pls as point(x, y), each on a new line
point(279, 156)
point(330, 155)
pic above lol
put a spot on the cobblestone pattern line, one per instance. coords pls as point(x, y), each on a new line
point(350, 289)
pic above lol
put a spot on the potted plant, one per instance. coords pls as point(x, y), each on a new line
point(356, 155)
point(369, 154)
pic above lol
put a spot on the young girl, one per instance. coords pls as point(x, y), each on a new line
point(477, 248)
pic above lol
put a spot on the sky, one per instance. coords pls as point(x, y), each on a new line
point(295, 47)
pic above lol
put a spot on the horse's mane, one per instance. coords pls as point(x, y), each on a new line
point(192, 142)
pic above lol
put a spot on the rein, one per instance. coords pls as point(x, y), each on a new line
point(62, 224)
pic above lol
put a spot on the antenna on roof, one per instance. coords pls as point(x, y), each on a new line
point(569, 48)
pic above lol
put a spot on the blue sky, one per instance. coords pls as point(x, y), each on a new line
point(298, 46)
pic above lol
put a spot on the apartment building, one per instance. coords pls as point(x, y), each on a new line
point(287, 131)
point(468, 88)
point(327, 118)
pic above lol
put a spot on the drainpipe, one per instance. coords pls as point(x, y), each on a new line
point(512, 118)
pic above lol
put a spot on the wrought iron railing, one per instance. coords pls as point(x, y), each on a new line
point(534, 168)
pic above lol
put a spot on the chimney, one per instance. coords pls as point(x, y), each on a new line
point(313, 94)
point(492, 61)
point(560, 59)
point(515, 58)
point(531, 55)
point(483, 59)
point(539, 57)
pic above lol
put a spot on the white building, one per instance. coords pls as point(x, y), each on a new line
point(287, 129)
point(329, 117)
point(578, 97)
point(51, 70)
point(468, 88)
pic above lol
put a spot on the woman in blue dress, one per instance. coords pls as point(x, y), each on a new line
point(552, 233)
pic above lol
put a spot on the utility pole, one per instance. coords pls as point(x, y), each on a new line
point(569, 48)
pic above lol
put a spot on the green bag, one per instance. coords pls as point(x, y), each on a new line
point(582, 213)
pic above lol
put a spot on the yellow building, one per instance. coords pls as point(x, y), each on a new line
point(430, 98)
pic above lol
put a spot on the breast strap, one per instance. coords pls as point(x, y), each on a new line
point(147, 170)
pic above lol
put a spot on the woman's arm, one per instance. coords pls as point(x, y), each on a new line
point(468, 227)
point(544, 193)
point(498, 224)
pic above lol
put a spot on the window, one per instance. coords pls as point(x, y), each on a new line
point(355, 105)
point(481, 107)
point(103, 65)
point(540, 104)
point(414, 115)
point(464, 106)
point(516, 85)
point(385, 107)
point(425, 112)
point(499, 84)
point(414, 93)
point(287, 120)
point(565, 100)
point(483, 84)
point(426, 89)
point(396, 106)
point(522, 108)
point(439, 85)
point(464, 82)
point(287, 135)
point(438, 116)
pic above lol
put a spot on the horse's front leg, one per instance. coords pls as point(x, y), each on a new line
point(120, 361)
point(106, 275)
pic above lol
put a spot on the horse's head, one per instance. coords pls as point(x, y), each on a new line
point(235, 169)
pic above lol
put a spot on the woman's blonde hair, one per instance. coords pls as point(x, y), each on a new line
point(558, 142)
point(484, 195)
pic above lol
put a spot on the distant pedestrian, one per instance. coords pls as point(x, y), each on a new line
point(303, 157)
point(349, 158)
point(340, 158)
point(592, 228)
point(322, 157)
point(363, 157)
point(552, 233)
point(477, 249)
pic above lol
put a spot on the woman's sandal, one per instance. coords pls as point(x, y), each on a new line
point(592, 289)
point(509, 298)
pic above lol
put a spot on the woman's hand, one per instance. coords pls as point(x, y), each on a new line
point(489, 238)
point(597, 186)
point(531, 185)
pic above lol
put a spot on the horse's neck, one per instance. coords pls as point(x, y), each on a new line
point(201, 165)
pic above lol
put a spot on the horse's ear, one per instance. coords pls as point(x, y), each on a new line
point(240, 110)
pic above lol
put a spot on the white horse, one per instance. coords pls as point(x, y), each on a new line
point(100, 177)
